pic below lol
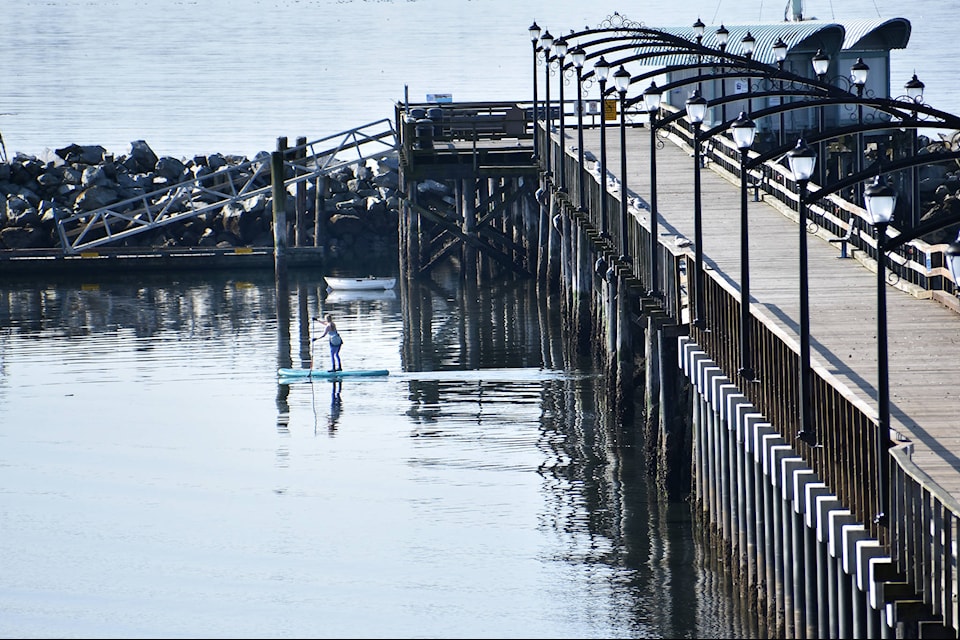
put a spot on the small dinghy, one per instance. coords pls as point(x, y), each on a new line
point(370, 283)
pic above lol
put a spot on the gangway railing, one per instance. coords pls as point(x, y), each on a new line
point(121, 220)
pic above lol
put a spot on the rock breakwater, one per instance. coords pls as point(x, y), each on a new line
point(358, 204)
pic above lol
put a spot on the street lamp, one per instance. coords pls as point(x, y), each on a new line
point(579, 57)
point(748, 43)
point(561, 48)
point(534, 30)
point(698, 29)
point(651, 100)
point(821, 64)
point(622, 81)
point(601, 68)
point(546, 41)
point(696, 110)
point(723, 36)
point(744, 131)
point(802, 161)
point(880, 202)
point(914, 89)
point(858, 74)
point(780, 55)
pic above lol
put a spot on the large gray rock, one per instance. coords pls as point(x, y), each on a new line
point(86, 154)
point(22, 237)
point(96, 197)
point(142, 156)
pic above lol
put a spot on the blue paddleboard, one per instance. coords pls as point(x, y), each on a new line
point(323, 373)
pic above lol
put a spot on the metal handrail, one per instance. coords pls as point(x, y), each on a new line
point(236, 183)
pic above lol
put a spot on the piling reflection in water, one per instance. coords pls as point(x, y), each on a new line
point(483, 475)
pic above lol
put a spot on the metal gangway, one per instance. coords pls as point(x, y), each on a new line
point(111, 224)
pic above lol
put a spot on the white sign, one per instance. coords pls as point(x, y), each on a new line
point(439, 97)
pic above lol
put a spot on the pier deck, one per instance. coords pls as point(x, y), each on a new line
point(923, 334)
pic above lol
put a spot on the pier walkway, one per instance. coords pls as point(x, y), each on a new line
point(923, 334)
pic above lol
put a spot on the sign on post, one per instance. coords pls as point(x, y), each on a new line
point(609, 109)
point(439, 97)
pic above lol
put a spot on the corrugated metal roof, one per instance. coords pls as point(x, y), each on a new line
point(806, 36)
point(876, 34)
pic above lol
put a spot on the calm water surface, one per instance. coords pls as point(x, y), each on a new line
point(202, 76)
point(157, 481)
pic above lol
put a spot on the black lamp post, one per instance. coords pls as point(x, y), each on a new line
point(561, 48)
point(858, 74)
point(821, 64)
point(802, 161)
point(651, 100)
point(914, 89)
point(780, 55)
point(698, 29)
point(723, 36)
point(546, 41)
point(601, 68)
point(744, 131)
point(534, 30)
point(579, 57)
point(696, 110)
point(622, 80)
point(880, 202)
point(748, 44)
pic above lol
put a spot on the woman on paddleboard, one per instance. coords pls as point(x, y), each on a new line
point(330, 331)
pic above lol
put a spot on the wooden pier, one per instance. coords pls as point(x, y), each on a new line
point(749, 471)
point(924, 466)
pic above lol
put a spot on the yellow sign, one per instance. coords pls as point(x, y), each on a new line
point(609, 109)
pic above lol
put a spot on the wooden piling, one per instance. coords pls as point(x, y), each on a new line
point(279, 213)
point(301, 197)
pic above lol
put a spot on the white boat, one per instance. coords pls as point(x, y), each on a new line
point(369, 283)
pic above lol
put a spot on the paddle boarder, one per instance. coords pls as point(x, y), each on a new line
point(330, 331)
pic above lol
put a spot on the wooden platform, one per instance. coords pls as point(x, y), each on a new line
point(924, 335)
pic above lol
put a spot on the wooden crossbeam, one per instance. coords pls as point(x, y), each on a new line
point(455, 231)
